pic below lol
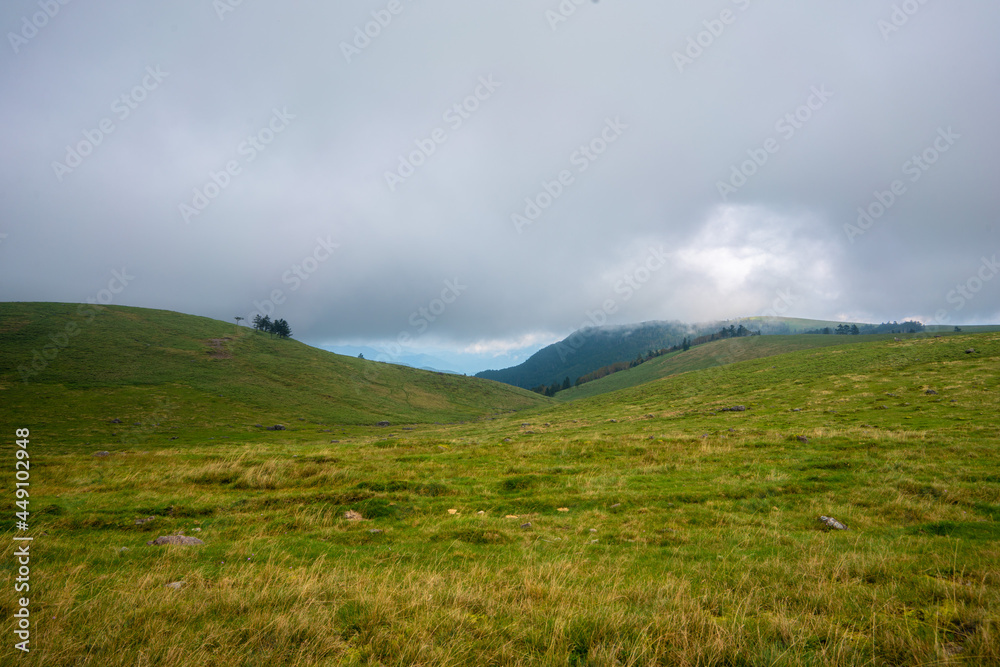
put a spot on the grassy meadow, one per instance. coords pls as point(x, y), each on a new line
point(644, 526)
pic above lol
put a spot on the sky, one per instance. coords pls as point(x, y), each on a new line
point(474, 180)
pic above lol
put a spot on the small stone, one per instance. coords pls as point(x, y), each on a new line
point(276, 427)
point(832, 523)
point(511, 516)
point(802, 438)
point(480, 512)
point(526, 526)
point(616, 505)
point(351, 515)
point(197, 530)
point(452, 511)
point(102, 454)
point(373, 531)
point(970, 351)
point(930, 392)
point(613, 421)
point(176, 585)
point(593, 530)
point(382, 423)
point(562, 509)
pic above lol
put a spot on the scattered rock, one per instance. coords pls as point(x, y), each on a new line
point(526, 526)
point(174, 437)
point(525, 425)
point(930, 392)
point(197, 530)
point(182, 540)
point(735, 408)
point(375, 531)
point(616, 505)
point(480, 512)
point(546, 424)
point(334, 441)
point(351, 515)
point(796, 409)
point(383, 423)
point(139, 522)
point(452, 511)
point(276, 427)
point(176, 585)
point(562, 509)
point(116, 421)
point(650, 416)
point(802, 438)
point(102, 454)
point(970, 350)
point(123, 550)
point(593, 530)
point(896, 339)
point(511, 516)
point(506, 439)
point(832, 523)
point(613, 421)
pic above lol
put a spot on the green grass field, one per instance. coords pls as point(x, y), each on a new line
point(645, 526)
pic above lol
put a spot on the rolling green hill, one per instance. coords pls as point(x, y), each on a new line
point(716, 353)
point(160, 372)
point(592, 348)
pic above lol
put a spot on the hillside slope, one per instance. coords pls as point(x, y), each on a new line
point(157, 368)
point(716, 353)
point(592, 348)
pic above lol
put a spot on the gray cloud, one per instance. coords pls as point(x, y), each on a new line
point(747, 91)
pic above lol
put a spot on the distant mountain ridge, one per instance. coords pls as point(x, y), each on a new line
point(591, 348)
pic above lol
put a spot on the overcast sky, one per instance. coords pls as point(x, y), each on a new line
point(516, 169)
